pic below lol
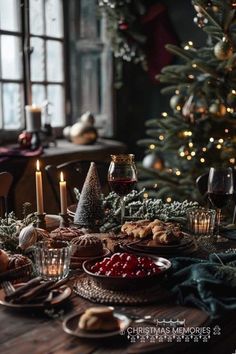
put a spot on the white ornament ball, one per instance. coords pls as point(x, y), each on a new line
point(27, 237)
point(66, 132)
point(83, 133)
point(88, 117)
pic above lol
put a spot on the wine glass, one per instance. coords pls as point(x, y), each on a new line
point(122, 177)
point(220, 191)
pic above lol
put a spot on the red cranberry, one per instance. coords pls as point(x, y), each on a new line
point(115, 257)
point(156, 269)
point(117, 266)
point(131, 258)
point(102, 270)
point(94, 268)
point(124, 256)
point(140, 273)
point(109, 264)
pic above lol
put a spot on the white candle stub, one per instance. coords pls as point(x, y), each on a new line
point(201, 226)
point(33, 118)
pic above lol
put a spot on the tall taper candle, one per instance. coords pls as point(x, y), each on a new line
point(39, 189)
point(63, 194)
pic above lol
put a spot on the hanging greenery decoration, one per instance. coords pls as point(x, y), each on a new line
point(138, 31)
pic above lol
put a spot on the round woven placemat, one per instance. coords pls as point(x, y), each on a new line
point(88, 289)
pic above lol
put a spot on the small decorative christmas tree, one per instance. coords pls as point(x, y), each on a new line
point(90, 212)
point(201, 130)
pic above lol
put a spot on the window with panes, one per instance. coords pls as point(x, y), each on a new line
point(31, 60)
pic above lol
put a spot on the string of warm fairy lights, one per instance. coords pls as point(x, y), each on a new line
point(204, 94)
point(189, 153)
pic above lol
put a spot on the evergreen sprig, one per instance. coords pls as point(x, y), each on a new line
point(10, 228)
point(138, 207)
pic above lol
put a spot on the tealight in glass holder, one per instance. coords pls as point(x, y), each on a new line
point(201, 222)
point(52, 259)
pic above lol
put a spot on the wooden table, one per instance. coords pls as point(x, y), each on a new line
point(26, 332)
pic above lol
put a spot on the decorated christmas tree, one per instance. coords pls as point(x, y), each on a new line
point(90, 211)
point(200, 130)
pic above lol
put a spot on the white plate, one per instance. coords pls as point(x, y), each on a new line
point(70, 326)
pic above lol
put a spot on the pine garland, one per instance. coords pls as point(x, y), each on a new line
point(138, 207)
point(124, 29)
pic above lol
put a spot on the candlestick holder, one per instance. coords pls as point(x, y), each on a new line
point(65, 222)
point(41, 222)
point(201, 222)
point(35, 141)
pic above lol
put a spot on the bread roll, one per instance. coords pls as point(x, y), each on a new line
point(99, 319)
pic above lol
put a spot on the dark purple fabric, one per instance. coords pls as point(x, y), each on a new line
point(159, 32)
point(14, 151)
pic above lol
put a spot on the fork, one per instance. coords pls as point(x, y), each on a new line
point(7, 287)
point(148, 319)
point(142, 319)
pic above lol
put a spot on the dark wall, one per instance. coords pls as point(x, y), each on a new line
point(139, 99)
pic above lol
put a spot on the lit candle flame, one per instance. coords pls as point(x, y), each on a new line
point(37, 165)
point(61, 177)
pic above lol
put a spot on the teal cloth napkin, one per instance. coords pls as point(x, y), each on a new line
point(207, 284)
point(231, 234)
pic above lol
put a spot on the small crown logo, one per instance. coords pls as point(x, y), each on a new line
point(171, 323)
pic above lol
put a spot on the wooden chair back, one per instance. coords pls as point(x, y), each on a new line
point(6, 180)
point(75, 173)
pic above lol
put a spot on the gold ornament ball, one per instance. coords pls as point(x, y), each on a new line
point(223, 50)
point(215, 8)
point(153, 161)
point(231, 100)
point(218, 109)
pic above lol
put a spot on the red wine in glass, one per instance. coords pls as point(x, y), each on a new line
point(122, 186)
point(122, 177)
point(220, 190)
point(219, 199)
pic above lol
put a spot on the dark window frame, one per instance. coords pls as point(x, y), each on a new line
point(25, 35)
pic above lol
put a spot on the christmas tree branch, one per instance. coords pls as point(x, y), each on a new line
point(179, 52)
